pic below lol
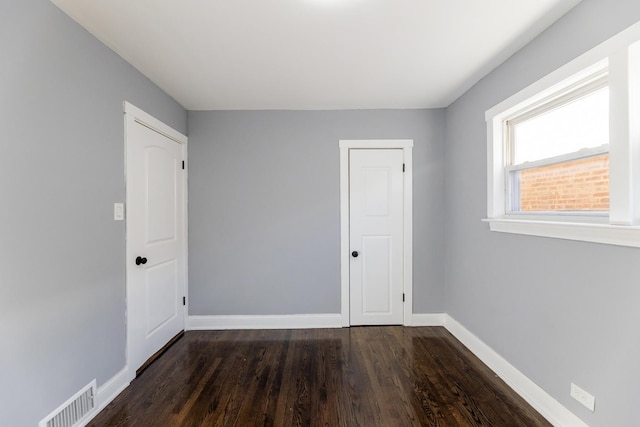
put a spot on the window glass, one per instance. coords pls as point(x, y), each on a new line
point(573, 186)
point(567, 139)
point(580, 124)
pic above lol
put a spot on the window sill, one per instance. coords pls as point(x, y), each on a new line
point(620, 235)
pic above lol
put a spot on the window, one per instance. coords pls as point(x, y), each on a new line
point(564, 153)
point(558, 153)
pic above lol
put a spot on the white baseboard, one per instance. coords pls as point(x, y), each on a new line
point(422, 319)
point(112, 388)
point(287, 321)
point(109, 391)
point(535, 396)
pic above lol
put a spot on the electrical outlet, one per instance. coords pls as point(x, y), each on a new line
point(118, 211)
point(583, 397)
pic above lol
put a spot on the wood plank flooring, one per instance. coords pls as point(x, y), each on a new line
point(363, 376)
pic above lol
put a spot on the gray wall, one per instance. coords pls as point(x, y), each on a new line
point(560, 311)
point(62, 278)
point(264, 207)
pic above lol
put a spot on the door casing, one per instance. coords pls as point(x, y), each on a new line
point(132, 115)
point(407, 147)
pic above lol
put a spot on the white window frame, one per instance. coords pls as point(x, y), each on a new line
point(575, 91)
point(620, 55)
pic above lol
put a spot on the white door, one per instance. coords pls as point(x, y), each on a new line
point(156, 250)
point(376, 236)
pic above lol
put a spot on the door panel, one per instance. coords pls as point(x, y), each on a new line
point(156, 232)
point(376, 233)
point(161, 296)
point(161, 206)
point(376, 278)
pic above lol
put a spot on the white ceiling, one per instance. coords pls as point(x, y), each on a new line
point(315, 54)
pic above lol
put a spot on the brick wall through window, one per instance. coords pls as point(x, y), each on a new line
point(577, 185)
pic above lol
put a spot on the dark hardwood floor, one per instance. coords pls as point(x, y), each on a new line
point(364, 376)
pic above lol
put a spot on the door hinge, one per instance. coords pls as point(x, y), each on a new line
point(403, 297)
point(184, 300)
point(403, 167)
point(183, 164)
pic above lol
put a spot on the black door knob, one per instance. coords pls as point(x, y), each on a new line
point(354, 254)
point(141, 260)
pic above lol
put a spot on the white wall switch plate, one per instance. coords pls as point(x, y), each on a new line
point(118, 211)
point(583, 397)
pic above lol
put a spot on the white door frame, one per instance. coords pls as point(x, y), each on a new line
point(407, 146)
point(132, 115)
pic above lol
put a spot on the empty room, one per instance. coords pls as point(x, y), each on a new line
point(320, 212)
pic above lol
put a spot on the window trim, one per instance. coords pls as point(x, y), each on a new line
point(621, 235)
point(562, 158)
point(584, 87)
point(620, 55)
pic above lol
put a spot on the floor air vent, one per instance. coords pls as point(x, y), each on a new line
point(74, 411)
